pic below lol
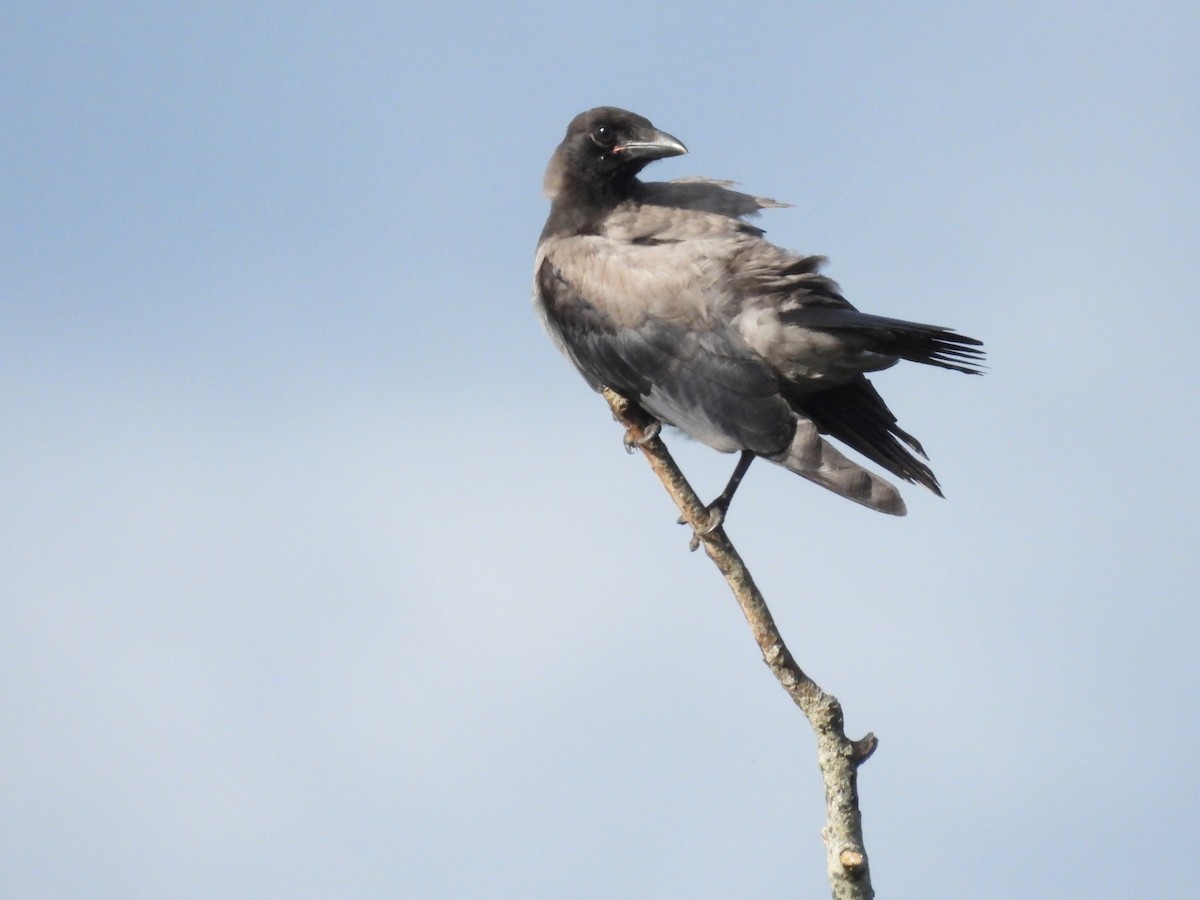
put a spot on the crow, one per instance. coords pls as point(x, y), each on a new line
point(663, 292)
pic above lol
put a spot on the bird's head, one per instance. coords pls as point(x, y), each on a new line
point(603, 151)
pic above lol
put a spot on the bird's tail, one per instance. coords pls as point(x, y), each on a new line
point(926, 344)
point(811, 456)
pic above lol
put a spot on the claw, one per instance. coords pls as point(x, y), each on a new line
point(649, 433)
point(716, 516)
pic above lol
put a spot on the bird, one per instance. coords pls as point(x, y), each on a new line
point(664, 293)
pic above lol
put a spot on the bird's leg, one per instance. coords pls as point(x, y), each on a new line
point(719, 506)
point(717, 509)
point(649, 432)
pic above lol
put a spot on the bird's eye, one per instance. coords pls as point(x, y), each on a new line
point(604, 136)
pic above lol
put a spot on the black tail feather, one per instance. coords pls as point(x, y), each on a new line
point(856, 415)
point(927, 344)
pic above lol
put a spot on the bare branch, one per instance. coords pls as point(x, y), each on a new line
point(838, 756)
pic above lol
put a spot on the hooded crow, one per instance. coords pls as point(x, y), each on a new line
point(663, 292)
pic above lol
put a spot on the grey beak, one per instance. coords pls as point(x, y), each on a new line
point(655, 145)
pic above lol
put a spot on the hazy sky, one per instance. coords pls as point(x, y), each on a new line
point(321, 574)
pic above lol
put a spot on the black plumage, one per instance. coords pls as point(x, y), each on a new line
point(664, 293)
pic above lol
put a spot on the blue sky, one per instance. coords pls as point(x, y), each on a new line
point(321, 574)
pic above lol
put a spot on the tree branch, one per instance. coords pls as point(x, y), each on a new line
point(838, 756)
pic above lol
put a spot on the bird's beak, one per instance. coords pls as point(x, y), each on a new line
point(653, 145)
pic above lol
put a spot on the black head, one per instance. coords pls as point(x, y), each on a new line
point(602, 153)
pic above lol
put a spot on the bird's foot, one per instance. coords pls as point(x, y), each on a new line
point(635, 441)
point(714, 518)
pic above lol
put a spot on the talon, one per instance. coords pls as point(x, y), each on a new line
point(649, 433)
point(716, 517)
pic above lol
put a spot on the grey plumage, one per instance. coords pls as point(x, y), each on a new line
point(666, 294)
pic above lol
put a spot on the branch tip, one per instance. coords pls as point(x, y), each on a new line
point(861, 750)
